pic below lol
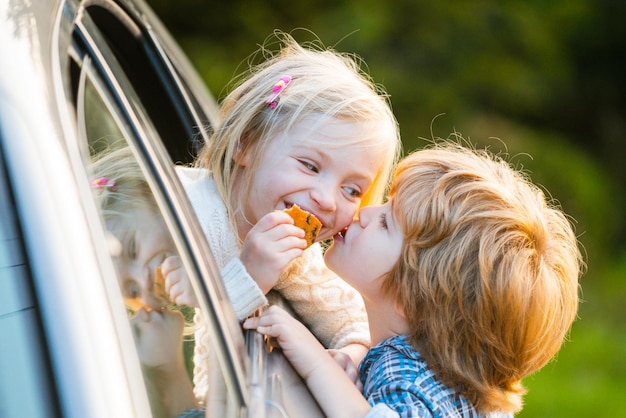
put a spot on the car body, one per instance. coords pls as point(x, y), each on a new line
point(77, 76)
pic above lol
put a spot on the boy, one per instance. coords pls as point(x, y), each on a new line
point(470, 282)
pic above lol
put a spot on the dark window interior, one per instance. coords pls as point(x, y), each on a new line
point(148, 75)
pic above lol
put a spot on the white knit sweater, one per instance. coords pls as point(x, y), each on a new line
point(330, 308)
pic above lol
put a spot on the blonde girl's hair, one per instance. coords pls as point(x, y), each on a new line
point(324, 83)
point(124, 190)
point(127, 188)
point(488, 276)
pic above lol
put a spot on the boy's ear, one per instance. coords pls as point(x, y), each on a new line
point(399, 309)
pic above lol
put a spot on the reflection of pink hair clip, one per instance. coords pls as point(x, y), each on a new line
point(103, 182)
point(278, 88)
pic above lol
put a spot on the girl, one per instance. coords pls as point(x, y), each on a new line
point(128, 207)
point(470, 281)
point(142, 242)
point(307, 127)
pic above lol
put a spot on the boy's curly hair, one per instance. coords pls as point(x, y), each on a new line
point(488, 276)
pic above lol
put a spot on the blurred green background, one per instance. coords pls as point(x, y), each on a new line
point(544, 81)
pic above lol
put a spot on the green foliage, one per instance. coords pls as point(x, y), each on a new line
point(587, 379)
point(545, 77)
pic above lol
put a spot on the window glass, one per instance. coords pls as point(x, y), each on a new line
point(154, 278)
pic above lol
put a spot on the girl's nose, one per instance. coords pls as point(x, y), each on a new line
point(144, 281)
point(140, 274)
point(324, 197)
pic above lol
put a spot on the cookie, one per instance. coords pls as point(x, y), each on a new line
point(159, 285)
point(134, 304)
point(307, 221)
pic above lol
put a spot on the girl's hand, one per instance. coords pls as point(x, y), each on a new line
point(270, 246)
point(177, 284)
point(328, 382)
point(158, 338)
point(299, 346)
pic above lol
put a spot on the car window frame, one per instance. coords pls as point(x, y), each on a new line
point(174, 202)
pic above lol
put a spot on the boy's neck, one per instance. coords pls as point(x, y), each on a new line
point(384, 321)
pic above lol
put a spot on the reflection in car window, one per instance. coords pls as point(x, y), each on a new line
point(145, 254)
point(153, 280)
point(101, 130)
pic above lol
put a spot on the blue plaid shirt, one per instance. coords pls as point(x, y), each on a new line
point(396, 375)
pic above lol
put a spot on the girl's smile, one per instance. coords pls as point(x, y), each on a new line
point(307, 167)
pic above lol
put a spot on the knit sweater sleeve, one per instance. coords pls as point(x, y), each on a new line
point(244, 293)
point(329, 307)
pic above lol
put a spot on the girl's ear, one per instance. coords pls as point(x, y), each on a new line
point(242, 153)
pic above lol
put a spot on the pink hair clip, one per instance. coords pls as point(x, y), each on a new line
point(278, 88)
point(103, 182)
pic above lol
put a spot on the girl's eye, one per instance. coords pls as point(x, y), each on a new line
point(132, 249)
point(137, 331)
point(383, 220)
point(309, 166)
point(131, 289)
point(353, 192)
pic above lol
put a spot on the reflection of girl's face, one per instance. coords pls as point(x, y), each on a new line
point(145, 244)
point(158, 335)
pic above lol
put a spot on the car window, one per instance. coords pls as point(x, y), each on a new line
point(131, 171)
point(140, 244)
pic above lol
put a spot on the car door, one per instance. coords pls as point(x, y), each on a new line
point(99, 80)
point(127, 94)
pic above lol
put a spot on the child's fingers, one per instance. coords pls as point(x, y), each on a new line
point(175, 291)
point(181, 293)
point(274, 218)
point(170, 264)
point(267, 330)
point(345, 362)
point(251, 323)
point(280, 223)
point(270, 221)
point(273, 315)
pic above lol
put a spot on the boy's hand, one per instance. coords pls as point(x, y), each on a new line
point(348, 366)
point(270, 246)
point(177, 284)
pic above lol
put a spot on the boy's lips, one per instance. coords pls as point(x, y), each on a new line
point(341, 235)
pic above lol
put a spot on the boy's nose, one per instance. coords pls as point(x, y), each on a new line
point(363, 215)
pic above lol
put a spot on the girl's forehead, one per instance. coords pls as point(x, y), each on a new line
point(136, 218)
point(324, 131)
